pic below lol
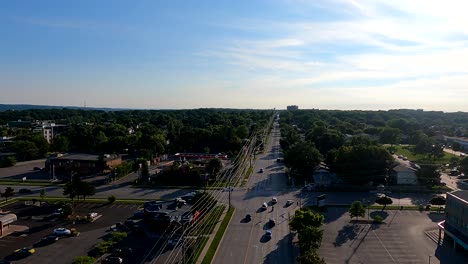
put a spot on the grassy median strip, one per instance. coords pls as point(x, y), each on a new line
point(247, 175)
point(29, 183)
point(217, 239)
point(88, 200)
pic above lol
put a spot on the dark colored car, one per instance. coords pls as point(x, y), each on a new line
point(123, 252)
point(24, 252)
point(49, 240)
point(37, 168)
point(113, 260)
point(248, 217)
point(272, 222)
point(24, 190)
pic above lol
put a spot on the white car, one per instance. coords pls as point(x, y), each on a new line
point(93, 215)
point(62, 232)
point(264, 205)
point(274, 200)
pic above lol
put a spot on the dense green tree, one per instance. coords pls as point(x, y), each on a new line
point(304, 218)
point(464, 165)
point(7, 162)
point(383, 200)
point(361, 164)
point(357, 210)
point(302, 158)
point(60, 143)
point(438, 200)
point(424, 145)
point(456, 146)
point(310, 257)
point(428, 174)
point(214, 168)
point(9, 192)
point(390, 135)
point(25, 150)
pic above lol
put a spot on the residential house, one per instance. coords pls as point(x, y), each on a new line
point(404, 175)
point(322, 176)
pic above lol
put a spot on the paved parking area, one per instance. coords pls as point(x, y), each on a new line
point(404, 238)
point(64, 250)
point(24, 169)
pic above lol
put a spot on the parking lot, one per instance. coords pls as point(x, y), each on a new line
point(24, 169)
point(405, 237)
point(64, 250)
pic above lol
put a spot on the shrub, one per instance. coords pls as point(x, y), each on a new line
point(111, 199)
point(103, 247)
point(84, 260)
point(117, 236)
point(378, 219)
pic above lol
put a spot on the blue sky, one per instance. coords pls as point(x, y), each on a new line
point(332, 54)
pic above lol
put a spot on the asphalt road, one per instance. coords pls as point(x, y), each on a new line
point(244, 242)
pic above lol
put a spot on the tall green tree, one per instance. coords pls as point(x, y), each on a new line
point(361, 164)
point(60, 143)
point(357, 210)
point(310, 257)
point(9, 192)
point(390, 135)
point(303, 218)
point(302, 158)
point(383, 200)
point(428, 174)
point(214, 168)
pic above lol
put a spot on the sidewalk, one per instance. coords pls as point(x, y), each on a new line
point(213, 234)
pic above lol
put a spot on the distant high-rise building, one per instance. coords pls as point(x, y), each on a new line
point(292, 107)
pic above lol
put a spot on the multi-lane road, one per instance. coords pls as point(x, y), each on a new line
point(245, 242)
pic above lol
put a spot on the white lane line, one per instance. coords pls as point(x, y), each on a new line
point(384, 246)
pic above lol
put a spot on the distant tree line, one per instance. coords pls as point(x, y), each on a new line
point(140, 133)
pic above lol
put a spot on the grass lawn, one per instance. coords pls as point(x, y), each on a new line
point(217, 239)
point(421, 158)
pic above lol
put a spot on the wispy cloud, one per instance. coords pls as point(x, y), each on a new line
point(412, 44)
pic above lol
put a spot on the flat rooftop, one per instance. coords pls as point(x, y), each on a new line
point(462, 194)
point(84, 157)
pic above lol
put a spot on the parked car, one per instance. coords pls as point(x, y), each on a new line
point(405, 158)
point(113, 260)
point(248, 217)
point(272, 222)
point(37, 168)
point(24, 252)
point(4, 261)
point(92, 215)
point(123, 252)
point(264, 205)
point(274, 200)
point(62, 232)
point(289, 202)
point(261, 171)
point(268, 234)
point(138, 215)
point(24, 190)
point(58, 212)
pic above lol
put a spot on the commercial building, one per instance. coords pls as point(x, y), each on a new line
point(460, 140)
point(455, 225)
point(404, 175)
point(83, 164)
point(292, 107)
point(5, 221)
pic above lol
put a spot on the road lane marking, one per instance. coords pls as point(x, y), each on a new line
point(250, 238)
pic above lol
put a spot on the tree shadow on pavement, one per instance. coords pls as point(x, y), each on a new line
point(382, 214)
point(347, 233)
point(436, 217)
point(284, 253)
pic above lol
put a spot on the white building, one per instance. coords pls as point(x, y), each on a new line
point(405, 174)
